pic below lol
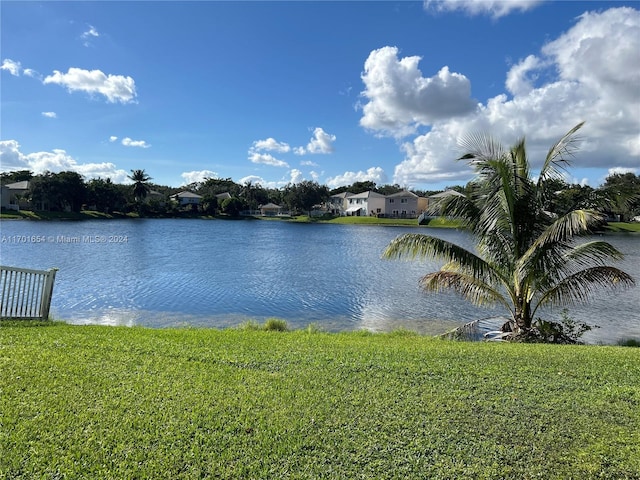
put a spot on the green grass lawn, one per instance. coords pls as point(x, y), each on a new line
point(107, 402)
point(624, 226)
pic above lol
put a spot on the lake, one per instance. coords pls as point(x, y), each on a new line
point(216, 273)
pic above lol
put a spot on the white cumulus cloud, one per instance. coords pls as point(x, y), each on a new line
point(127, 142)
point(373, 174)
point(197, 176)
point(13, 67)
point(11, 158)
point(622, 171)
point(115, 88)
point(267, 159)
point(49, 114)
point(270, 144)
point(321, 142)
point(400, 99)
point(589, 73)
point(521, 77)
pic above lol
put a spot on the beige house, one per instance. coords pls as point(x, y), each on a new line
point(433, 200)
point(404, 204)
point(270, 210)
point(223, 196)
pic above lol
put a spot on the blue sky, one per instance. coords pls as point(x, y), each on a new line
point(337, 92)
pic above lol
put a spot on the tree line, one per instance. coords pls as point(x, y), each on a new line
point(618, 197)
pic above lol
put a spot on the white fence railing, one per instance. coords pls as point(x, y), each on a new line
point(25, 293)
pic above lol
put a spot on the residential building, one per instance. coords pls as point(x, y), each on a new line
point(403, 204)
point(223, 196)
point(365, 203)
point(270, 210)
point(13, 196)
point(338, 203)
point(186, 198)
point(433, 200)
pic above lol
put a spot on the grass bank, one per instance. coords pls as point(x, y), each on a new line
point(106, 402)
point(624, 226)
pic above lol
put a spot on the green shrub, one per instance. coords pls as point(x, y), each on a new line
point(249, 325)
point(275, 325)
point(314, 328)
point(629, 342)
point(566, 331)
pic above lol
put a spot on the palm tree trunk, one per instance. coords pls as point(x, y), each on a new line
point(522, 316)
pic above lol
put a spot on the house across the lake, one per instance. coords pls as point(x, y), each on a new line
point(270, 210)
point(14, 195)
point(403, 204)
point(186, 198)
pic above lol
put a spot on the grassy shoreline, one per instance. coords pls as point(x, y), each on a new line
point(618, 227)
point(117, 402)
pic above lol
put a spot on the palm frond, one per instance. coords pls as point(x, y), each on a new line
point(415, 245)
point(479, 148)
point(556, 159)
point(459, 207)
point(472, 289)
point(593, 253)
point(578, 287)
point(573, 224)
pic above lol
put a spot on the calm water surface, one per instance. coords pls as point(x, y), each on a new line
point(174, 272)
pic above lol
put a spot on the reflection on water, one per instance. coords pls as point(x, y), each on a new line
point(220, 273)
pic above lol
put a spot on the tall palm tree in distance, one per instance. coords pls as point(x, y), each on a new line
point(141, 186)
point(526, 257)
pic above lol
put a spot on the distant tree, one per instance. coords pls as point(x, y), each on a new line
point(248, 194)
point(216, 186)
point(209, 204)
point(105, 195)
point(232, 206)
point(141, 188)
point(304, 195)
point(389, 189)
point(338, 190)
point(525, 257)
point(361, 187)
point(58, 191)
point(621, 191)
point(16, 176)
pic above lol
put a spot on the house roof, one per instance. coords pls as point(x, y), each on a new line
point(342, 195)
point(446, 193)
point(186, 195)
point(24, 185)
point(223, 195)
point(270, 206)
point(369, 194)
point(403, 193)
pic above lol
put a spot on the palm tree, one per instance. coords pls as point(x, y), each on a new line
point(140, 184)
point(526, 258)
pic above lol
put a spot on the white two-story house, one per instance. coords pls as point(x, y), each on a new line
point(365, 203)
